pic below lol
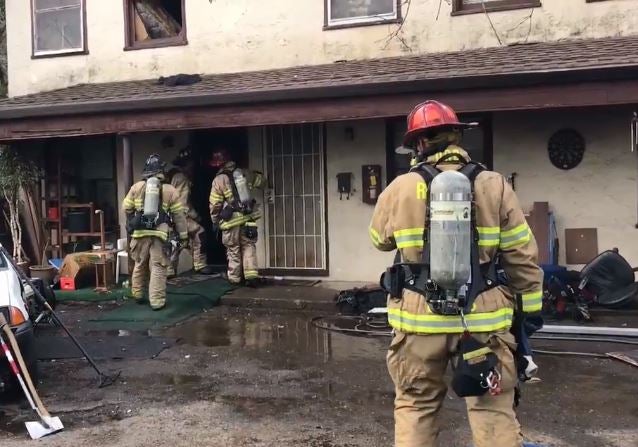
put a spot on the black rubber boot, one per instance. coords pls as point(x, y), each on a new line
point(208, 270)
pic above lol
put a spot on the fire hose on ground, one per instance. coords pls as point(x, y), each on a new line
point(376, 324)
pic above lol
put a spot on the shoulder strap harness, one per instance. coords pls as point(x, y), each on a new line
point(416, 276)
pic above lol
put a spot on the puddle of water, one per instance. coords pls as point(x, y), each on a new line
point(292, 333)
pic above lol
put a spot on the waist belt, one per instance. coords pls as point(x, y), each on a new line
point(416, 278)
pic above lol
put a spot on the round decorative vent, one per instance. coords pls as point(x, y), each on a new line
point(566, 149)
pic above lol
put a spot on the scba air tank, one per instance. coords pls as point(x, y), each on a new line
point(152, 198)
point(450, 233)
point(242, 186)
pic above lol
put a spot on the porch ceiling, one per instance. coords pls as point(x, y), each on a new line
point(535, 75)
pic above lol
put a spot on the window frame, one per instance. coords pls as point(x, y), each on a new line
point(129, 32)
point(35, 54)
point(503, 5)
point(360, 21)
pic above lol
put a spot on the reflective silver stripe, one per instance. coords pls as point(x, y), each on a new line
point(517, 236)
point(430, 323)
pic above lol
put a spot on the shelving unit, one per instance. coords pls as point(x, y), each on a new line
point(59, 196)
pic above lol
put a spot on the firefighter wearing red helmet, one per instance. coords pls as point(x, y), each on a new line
point(235, 212)
point(435, 324)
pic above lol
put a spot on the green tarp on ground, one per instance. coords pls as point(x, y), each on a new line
point(181, 303)
point(88, 295)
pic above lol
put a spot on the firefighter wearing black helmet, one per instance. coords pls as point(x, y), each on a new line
point(151, 206)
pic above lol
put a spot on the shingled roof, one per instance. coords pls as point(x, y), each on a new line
point(350, 78)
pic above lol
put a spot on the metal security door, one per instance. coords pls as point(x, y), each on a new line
point(295, 214)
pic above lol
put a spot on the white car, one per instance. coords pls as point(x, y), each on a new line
point(13, 298)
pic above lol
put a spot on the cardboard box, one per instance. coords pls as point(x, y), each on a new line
point(80, 269)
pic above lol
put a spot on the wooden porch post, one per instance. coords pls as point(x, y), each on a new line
point(127, 161)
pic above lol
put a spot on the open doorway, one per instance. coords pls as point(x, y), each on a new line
point(203, 143)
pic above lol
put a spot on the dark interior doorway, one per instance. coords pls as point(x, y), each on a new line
point(204, 143)
point(478, 142)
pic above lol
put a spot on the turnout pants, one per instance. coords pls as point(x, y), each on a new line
point(417, 365)
point(150, 258)
point(241, 253)
point(195, 233)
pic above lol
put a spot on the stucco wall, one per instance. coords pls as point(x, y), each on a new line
point(599, 193)
point(352, 256)
point(238, 35)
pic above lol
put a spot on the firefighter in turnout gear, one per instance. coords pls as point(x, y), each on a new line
point(432, 328)
point(151, 208)
point(234, 211)
point(181, 180)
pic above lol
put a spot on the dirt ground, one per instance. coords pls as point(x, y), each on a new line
point(244, 378)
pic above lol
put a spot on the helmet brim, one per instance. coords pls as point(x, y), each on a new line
point(181, 161)
point(410, 137)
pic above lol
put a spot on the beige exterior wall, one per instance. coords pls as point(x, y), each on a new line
point(351, 254)
point(599, 193)
point(239, 35)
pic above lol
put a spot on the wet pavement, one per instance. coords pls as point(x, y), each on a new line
point(255, 378)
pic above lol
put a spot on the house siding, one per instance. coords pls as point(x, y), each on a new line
point(233, 36)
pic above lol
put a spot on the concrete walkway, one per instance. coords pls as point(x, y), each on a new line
point(318, 296)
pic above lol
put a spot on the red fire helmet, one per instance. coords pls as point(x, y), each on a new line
point(430, 115)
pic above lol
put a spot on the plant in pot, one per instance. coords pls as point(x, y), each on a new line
point(18, 176)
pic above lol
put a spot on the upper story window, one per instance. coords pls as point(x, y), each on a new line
point(346, 13)
point(58, 27)
point(154, 23)
point(472, 6)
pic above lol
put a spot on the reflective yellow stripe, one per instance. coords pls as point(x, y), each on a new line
point(183, 236)
point(176, 207)
point(251, 274)
point(409, 232)
point(533, 301)
point(489, 236)
point(228, 194)
point(409, 237)
point(258, 180)
point(443, 324)
point(410, 244)
point(239, 219)
point(440, 155)
point(477, 353)
point(150, 233)
point(374, 236)
point(519, 235)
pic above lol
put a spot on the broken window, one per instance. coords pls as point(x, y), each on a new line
point(471, 6)
point(354, 12)
point(58, 27)
point(152, 23)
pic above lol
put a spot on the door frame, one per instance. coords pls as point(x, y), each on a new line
point(300, 272)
